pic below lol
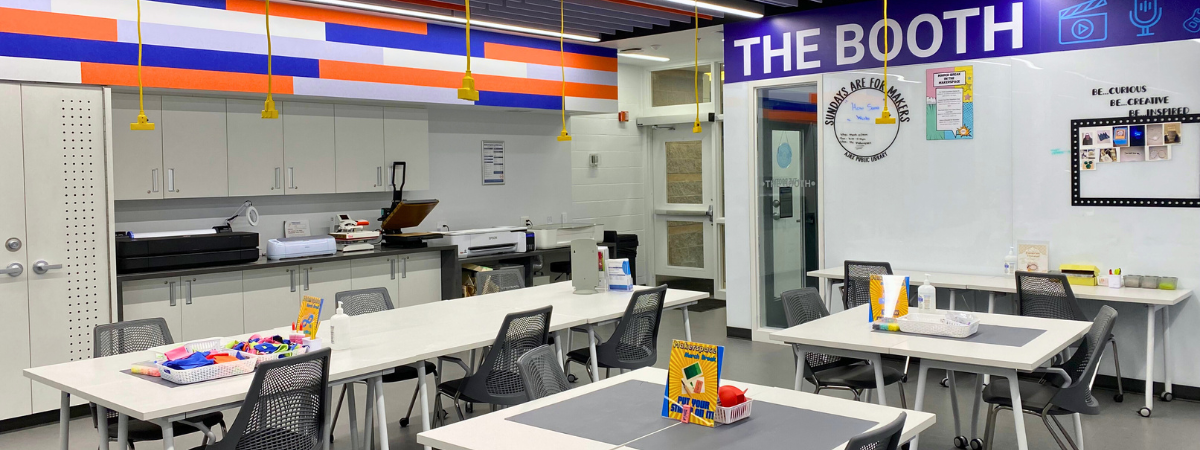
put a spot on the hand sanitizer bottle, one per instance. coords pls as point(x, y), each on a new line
point(339, 335)
point(926, 296)
point(1010, 262)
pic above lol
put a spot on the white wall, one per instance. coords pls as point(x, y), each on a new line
point(537, 184)
point(739, 207)
point(958, 206)
point(613, 194)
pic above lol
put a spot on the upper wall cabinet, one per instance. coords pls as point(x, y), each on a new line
point(137, 155)
point(308, 148)
point(406, 138)
point(359, 148)
point(195, 147)
point(255, 150)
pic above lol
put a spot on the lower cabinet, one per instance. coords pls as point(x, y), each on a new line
point(325, 280)
point(194, 307)
point(270, 298)
point(420, 280)
point(376, 273)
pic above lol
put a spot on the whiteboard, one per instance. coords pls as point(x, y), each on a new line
point(1177, 178)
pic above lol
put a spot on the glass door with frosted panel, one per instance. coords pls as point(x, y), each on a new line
point(683, 209)
point(787, 192)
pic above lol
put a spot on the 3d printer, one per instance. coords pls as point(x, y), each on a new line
point(405, 214)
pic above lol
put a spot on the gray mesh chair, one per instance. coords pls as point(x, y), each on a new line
point(541, 373)
point(1063, 390)
point(886, 437)
point(367, 301)
point(285, 407)
point(801, 306)
point(135, 336)
point(856, 288)
point(499, 280)
point(634, 343)
point(498, 381)
point(1049, 296)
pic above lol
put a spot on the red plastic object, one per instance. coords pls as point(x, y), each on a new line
point(731, 396)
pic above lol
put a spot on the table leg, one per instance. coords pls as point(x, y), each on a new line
point(1150, 316)
point(1078, 430)
point(922, 377)
point(828, 293)
point(987, 379)
point(1168, 373)
point(975, 406)
point(64, 420)
point(1014, 390)
point(877, 361)
point(800, 357)
point(369, 416)
point(380, 412)
point(102, 428)
point(558, 343)
point(328, 418)
point(591, 332)
point(123, 431)
point(687, 325)
point(954, 402)
point(351, 403)
point(951, 291)
point(421, 375)
point(168, 432)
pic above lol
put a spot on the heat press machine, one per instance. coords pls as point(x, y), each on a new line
point(405, 214)
point(350, 235)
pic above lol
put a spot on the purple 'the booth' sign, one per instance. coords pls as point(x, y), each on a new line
point(851, 36)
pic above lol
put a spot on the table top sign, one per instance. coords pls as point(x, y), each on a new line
point(886, 294)
point(692, 382)
point(309, 318)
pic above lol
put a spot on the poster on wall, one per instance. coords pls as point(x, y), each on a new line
point(852, 113)
point(949, 103)
point(493, 163)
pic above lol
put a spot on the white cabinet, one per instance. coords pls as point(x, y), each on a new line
point(15, 389)
point(195, 147)
point(147, 299)
point(368, 273)
point(270, 298)
point(137, 155)
point(325, 280)
point(359, 148)
point(420, 279)
point(406, 138)
point(212, 306)
point(255, 150)
point(308, 148)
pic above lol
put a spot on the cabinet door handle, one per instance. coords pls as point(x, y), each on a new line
point(392, 263)
point(170, 180)
point(171, 289)
point(307, 274)
point(278, 171)
point(188, 299)
point(153, 180)
point(292, 279)
point(292, 177)
point(404, 269)
point(378, 176)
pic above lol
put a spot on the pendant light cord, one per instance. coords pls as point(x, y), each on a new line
point(563, 136)
point(468, 11)
point(269, 111)
point(886, 29)
point(142, 122)
point(696, 61)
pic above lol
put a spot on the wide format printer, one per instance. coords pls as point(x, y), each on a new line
point(485, 241)
point(155, 251)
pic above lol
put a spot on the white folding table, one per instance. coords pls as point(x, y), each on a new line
point(495, 431)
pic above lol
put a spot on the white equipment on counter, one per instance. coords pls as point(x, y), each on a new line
point(350, 235)
point(556, 235)
point(298, 247)
point(485, 241)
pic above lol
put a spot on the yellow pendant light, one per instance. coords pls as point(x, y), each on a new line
point(696, 70)
point(269, 111)
point(886, 118)
point(468, 92)
point(564, 136)
point(142, 124)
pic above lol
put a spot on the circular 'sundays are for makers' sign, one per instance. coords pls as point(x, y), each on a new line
point(852, 114)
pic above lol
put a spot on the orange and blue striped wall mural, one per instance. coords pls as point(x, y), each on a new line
point(220, 45)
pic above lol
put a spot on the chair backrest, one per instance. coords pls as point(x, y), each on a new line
point(886, 437)
point(364, 301)
point(1047, 295)
point(857, 282)
point(801, 306)
point(634, 344)
point(285, 407)
point(499, 280)
point(1083, 364)
point(129, 336)
point(498, 380)
point(542, 372)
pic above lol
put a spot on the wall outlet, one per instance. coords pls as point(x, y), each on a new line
point(525, 221)
point(564, 217)
point(549, 219)
point(443, 226)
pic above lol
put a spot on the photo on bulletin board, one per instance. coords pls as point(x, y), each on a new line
point(1158, 153)
point(1096, 137)
point(950, 103)
point(1088, 159)
point(1154, 134)
point(1171, 132)
point(1137, 135)
point(1120, 136)
point(1133, 154)
point(1110, 155)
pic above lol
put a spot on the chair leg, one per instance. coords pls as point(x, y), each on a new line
point(990, 430)
point(1117, 366)
point(903, 401)
point(412, 403)
point(458, 407)
point(1046, 419)
point(337, 411)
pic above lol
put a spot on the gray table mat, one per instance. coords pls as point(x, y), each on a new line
point(156, 380)
point(991, 334)
point(770, 426)
point(613, 415)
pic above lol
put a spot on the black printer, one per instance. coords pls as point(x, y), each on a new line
point(150, 254)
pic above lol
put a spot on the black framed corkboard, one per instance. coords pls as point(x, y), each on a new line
point(1077, 198)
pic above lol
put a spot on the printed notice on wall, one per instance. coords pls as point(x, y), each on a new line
point(949, 103)
point(493, 163)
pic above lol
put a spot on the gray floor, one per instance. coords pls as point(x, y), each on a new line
point(1118, 427)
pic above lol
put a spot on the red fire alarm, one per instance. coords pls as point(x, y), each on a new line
point(623, 116)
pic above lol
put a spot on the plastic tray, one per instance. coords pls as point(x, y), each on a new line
point(213, 372)
point(733, 413)
point(160, 352)
point(931, 324)
point(300, 350)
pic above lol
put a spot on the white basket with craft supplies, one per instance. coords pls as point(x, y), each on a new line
point(299, 350)
point(733, 413)
point(200, 345)
point(952, 324)
point(210, 372)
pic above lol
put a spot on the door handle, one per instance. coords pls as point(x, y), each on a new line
point(171, 180)
point(709, 213)
point(404, 270)
point(307, 274)
point(171, 289)
point(153, 181)
point(16, 269)
point(392, 263)
point(292, 279)
point(41, 267)
point(188, 299)
point(378, 176)
point(278, 171)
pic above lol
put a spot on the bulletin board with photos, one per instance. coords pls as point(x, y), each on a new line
point(1151, 161)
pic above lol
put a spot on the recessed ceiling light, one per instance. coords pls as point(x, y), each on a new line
point(724, 9)
point(445, 18)
point(645, 57)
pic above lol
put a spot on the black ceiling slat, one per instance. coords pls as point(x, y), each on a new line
point(553, 18)
point(553, 10)
point(629, 9)
point(530, 22)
